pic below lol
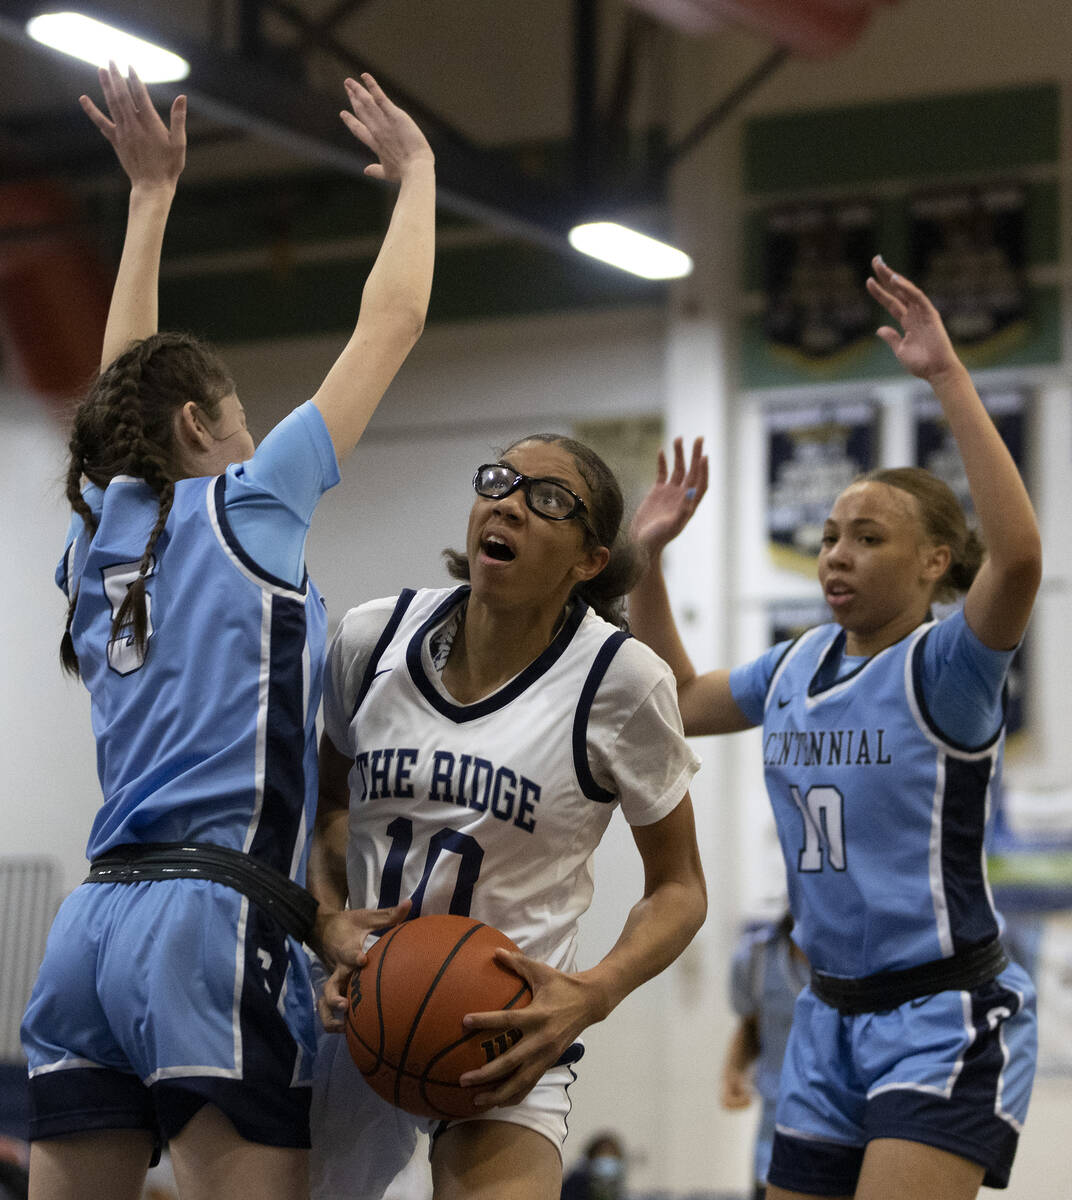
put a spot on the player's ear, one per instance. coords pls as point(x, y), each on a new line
point(592, 562)
point(190, 429)
point(936, 560)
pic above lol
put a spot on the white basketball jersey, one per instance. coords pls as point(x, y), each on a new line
point(493, 809)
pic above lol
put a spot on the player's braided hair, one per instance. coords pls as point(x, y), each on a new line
point(944, 523)
point(125, 426)
point(605, 592)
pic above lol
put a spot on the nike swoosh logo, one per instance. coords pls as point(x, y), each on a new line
point(385, 671)
point(782, 703)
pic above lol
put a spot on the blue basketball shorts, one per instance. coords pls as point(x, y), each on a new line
point(155, 998)
point(953, 1070)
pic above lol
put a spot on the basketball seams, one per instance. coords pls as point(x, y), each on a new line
point(517, 996)
point(379, 1005)
point(423, 1079)
point(420, 991)
point(377, 1052)
point(415, 1023)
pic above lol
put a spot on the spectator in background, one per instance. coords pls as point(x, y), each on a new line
point(600, 1174)
point(766, 975)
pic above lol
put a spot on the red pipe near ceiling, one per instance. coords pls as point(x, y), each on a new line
point(815, 28)
point(53, 291)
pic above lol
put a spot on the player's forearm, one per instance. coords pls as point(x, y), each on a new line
point(743, 1049)
point(326, 873)
point(326, 877)
point(393, 307)
point(133, 312)
point(658, 929)
point(399, 285)
point(1004, 509)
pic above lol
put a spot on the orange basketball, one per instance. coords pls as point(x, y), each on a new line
point(404, 1020)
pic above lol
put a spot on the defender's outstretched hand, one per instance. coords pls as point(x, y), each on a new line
point(923, 348)
point(666, 509)
point(150, 152)
point(391, 134)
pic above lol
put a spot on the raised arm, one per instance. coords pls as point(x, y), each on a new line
point(998, 604)
point(395, 297)
point(152, 154)
point(706, 702)
point(659, 926)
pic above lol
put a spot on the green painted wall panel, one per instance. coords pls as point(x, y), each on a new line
point(992, 131)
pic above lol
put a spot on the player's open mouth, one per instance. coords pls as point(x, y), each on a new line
point(495, 547)
point(838, 594)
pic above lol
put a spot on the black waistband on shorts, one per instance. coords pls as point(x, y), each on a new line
point(962, 971)
point(288, 902)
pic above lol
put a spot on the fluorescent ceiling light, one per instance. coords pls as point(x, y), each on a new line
point(94, 42)
point(631, 251)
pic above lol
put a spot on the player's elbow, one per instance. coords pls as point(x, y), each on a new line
point(690, 905)
point(1020, 574)
point(394, 316)
point(698, 910)
point(410, 321)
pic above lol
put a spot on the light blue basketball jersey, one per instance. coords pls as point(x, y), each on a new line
point(211, 736)
point(880, 817)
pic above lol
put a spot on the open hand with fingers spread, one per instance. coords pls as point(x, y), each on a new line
point(922, 347)
point(152, 154)
point(391, 134)
point(561, 1008)
point(672, 499)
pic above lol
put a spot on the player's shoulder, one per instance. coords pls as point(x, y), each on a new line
point(635, 667)
point(364, 624)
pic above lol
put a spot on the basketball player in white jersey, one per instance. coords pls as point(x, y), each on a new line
point(174, 1001)
point(911, 1058)
point(478, 740)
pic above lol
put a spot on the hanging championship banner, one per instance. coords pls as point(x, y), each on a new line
point(967, 250)
point(814, 453)
point(937, 451)
point(816, 258)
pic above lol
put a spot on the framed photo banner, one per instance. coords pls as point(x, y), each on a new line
point(816, 258)
point(813, 454)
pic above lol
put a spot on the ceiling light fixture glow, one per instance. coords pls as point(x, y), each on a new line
point(94, 42)
point(630, 251)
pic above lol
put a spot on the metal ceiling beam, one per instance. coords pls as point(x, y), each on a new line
point(322, 39)
point(253, 96)
point(585, 102)
point(711, 121)
point(332, 19)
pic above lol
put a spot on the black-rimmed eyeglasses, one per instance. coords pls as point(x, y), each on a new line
point(545, 497)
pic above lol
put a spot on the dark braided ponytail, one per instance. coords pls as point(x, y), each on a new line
point(125, 426)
